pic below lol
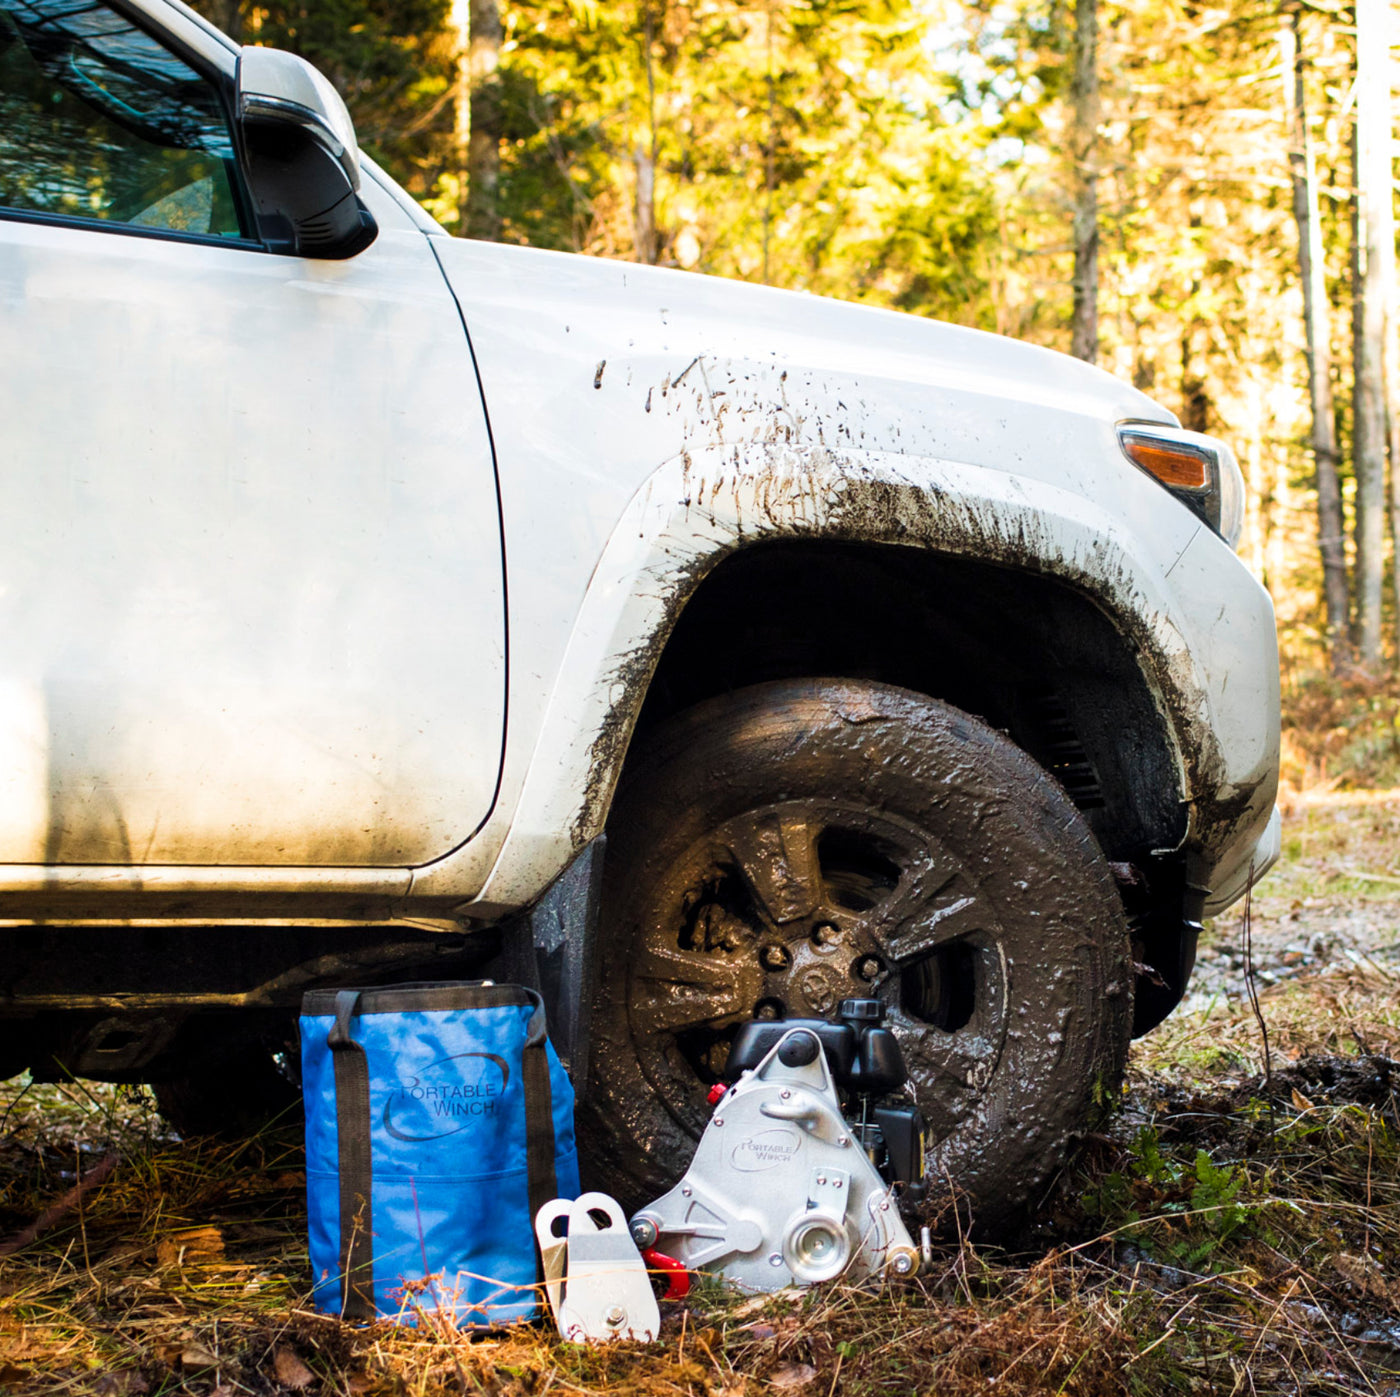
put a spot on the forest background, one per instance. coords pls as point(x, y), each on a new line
point(1200, 198)
point(1187, 193)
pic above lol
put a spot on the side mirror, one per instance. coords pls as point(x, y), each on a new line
point(300, 158)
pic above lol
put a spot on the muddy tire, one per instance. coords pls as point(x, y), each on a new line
point(796, 843)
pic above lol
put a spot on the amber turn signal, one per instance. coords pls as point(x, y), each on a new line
point(1200, 471)
point(1177, 466)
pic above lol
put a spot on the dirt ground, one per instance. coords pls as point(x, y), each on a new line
point(1224, 1231)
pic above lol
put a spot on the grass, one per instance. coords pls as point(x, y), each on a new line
point(1198, 1245)
point(1224, 1233)
point(1339, 733)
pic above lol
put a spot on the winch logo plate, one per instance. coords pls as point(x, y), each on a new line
point(766, 1150)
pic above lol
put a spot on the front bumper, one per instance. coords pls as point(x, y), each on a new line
point(1230, 887)
point(1225, 713)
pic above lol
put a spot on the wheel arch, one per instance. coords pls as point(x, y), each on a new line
point(699, 521)
point(1028, 654)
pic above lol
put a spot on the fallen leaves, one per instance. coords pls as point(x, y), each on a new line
point(1364, 1275)
point(127, 1383)
point(193, 1246)
point(290, 1371)
point(184, 1351)
point(197, 1356)
point(792, 1377)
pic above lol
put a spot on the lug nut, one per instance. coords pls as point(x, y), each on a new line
point(868, 967)
point(825, 934)
point(775, 957)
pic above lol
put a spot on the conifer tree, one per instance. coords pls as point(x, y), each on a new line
point(1376, 254)
point(1317, 314)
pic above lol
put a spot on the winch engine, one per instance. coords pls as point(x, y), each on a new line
point(783, 1188)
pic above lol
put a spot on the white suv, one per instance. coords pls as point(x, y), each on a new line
point(357, 582)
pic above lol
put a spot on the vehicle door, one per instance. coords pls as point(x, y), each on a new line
point(251, 590)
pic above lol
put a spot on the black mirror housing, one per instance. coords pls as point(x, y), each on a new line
point(300, 158)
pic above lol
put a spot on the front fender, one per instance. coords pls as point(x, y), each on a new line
point(699, 507)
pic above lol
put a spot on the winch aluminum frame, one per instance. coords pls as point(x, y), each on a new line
point(780, 1192)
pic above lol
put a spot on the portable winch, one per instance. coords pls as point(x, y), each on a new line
point(786, 1187)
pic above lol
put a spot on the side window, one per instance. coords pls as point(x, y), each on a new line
point(98, 120)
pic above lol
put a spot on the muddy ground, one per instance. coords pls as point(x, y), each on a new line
point(1224, 1231)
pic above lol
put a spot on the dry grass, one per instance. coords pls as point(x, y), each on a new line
point(186, 1274)
point(1339, 733)
point(1221, 1235)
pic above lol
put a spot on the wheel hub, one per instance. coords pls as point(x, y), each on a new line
point(815, 975)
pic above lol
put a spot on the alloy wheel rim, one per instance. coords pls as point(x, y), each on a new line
point(789, 907)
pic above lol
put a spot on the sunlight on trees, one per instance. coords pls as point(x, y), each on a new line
point(978, 162)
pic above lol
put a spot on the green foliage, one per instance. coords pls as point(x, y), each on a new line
point(801, 145)
point(1183, 1212)
point(1215, 1199)
point(392, 61)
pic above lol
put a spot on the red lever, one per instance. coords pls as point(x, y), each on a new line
point(716, 1093)
point(677, 1277)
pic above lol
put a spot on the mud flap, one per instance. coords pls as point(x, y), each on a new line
point(1166, 942)
point(563, 931)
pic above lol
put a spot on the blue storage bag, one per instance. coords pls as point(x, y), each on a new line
point(438, 1122)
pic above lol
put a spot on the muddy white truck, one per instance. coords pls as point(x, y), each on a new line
point(377, 605)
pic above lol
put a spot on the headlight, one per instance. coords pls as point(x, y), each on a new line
point(1199, 470)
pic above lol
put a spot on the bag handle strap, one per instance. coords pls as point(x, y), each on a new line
point(353, 1141)
point(539, 1112)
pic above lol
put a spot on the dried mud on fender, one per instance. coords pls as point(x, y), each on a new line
point(842, 497)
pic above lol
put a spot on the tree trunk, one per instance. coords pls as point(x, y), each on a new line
point(1383, 235)
point(1318, 322)
point(1084, 342)
point(770, 144)
point(1376, 250)
point(229, 18)
point(1356, 261)
point(481, 214)
point(644, 157)
point(644, 231)
point(462, 109)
